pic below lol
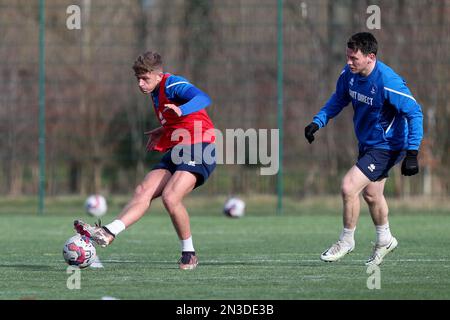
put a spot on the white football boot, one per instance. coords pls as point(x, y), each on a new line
point(380, 251)
point(97, 233)
point(336, 251)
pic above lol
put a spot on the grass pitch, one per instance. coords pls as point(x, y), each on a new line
point(255, 257)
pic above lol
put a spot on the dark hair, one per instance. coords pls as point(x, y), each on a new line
point(147, 62)
point(363, 41)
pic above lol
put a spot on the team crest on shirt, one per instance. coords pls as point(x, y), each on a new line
point(373, 90)
point(350, 83)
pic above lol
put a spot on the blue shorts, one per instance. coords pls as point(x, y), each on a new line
point(200, 159)
point(376, 163)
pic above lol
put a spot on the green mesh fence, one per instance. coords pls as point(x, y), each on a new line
point(95, 116)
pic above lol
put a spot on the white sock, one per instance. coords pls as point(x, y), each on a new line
point(384, 235)
point(348, 236)
point(187, 245)
point(116, 227)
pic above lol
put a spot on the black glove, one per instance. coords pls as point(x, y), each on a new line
point(410, 165)
point(309, 131)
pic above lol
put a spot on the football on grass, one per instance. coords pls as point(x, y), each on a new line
point(95, 205)
point(234, 208)
point(79, 251)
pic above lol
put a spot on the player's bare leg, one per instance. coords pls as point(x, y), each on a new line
point(145, 192)
point(374, 196)
point(181, 183)
point(150, 188)
point(352, 185)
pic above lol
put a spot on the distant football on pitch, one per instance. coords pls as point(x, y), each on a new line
point(79, 251)
point(95, 205)
point(234, 208)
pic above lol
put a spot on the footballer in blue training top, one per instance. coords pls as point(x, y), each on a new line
point(388, 124)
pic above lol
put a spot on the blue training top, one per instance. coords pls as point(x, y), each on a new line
point(386, 115)
point(181, 91)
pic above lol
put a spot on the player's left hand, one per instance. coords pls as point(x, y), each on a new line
point(174, 108)
point(410, 165)
point(310, 129)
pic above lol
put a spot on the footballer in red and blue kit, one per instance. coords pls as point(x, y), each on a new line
point(186, 135)
point(194, 124)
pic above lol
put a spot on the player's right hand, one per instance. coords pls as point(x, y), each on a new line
point(309, 131)
point(153, 137)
